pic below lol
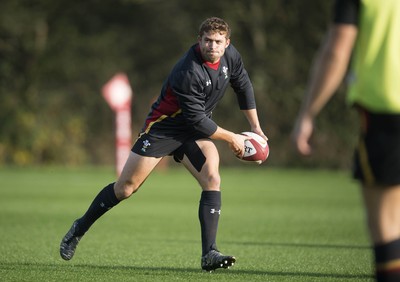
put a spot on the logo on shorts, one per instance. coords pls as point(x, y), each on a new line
point(146, 144)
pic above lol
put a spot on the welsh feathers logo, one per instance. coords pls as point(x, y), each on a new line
point(225, 71)
point(146, 144)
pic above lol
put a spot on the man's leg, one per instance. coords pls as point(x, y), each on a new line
point(135, 172)
point(202, 160)
point(103, 202)
point(383, 217)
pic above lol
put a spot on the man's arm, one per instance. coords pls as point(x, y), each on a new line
point(252, 118)
point(236, 141)
point(327, 73)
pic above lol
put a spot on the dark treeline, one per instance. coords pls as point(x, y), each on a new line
point(56, 55)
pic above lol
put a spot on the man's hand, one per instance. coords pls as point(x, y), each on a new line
point(260, 132)
point(301, 135)
point(237, 144)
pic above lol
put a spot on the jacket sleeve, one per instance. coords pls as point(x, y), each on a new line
point(240, 82)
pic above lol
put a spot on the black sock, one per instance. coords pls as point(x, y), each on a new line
point(387, 261)
point(209, 211)
point(103, 202)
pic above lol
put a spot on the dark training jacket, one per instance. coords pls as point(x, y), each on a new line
point(192, 91)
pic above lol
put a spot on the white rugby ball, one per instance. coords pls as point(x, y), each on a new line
point(256, 149)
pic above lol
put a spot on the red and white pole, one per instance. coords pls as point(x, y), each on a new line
point(118, 94)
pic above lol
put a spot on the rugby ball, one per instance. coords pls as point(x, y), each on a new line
point(256, 149)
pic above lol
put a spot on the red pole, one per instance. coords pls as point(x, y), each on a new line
point(118, 94)
point(123, 138)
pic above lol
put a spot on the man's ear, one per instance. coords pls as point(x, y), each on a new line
point(228, 41)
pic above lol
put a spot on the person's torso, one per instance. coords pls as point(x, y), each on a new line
point(190, 75)
point(375, 70)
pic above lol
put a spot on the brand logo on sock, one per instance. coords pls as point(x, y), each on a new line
point(104, 206)
point(215, 211)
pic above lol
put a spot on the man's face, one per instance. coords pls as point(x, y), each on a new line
point(212, 46)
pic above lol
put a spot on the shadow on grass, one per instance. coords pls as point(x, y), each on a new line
point(277, 244)
point(56, 267)
point(301, 245)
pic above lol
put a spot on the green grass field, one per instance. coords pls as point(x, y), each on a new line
point(282, 225)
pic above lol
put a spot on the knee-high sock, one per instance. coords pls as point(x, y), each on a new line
point(387, 261)
point(209, 212)
point(103, 202)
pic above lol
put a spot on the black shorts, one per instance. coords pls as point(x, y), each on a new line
point(177, 146)
point(377, 156)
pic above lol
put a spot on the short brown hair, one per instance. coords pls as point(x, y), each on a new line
point(216, 25)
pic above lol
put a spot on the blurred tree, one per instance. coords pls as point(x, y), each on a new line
point(56, 55)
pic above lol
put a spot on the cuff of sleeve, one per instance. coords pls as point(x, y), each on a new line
point(206, 126)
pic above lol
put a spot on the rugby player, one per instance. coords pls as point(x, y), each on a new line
point(180, 125)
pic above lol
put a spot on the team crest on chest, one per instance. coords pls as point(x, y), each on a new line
point(225, 71)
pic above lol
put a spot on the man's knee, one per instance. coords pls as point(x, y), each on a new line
point(124, 189)
point(214, 181)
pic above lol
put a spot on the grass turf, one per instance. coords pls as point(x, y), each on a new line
point(282, 225)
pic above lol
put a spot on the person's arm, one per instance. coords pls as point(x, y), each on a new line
point(327, 73)
point(252, 118)
point(236, 141)
point(241, 84)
